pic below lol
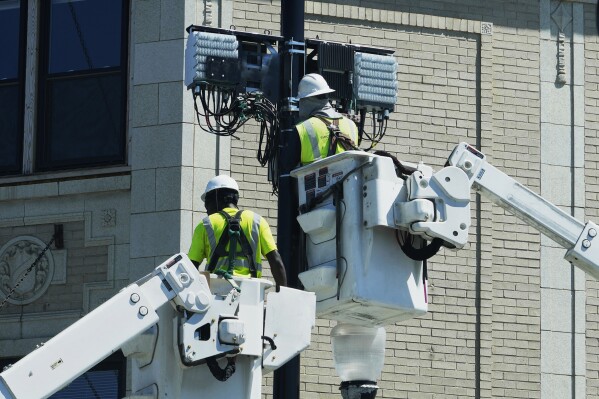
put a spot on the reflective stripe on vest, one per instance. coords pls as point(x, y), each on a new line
point(345, 125)
point(313, 139)
point(353, 134)
point(210, 233)
point(239, 263)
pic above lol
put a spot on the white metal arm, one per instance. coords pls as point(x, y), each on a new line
point(577, 237)
point(214, 320)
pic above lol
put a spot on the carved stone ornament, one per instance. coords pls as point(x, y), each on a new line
point(16, 256)
point(108, 217)
point(486, 28)
point(207, 12)
point(562, 17)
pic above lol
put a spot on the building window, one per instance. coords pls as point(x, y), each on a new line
point(12, 43)
point(82, 84)
point(106, 380)
point(63, 84)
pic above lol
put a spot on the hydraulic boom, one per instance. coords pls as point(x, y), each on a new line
point(209, 319)
point(575, 236)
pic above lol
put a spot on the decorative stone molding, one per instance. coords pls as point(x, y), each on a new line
point(561, 59)
point(562, 17)
point(16, 257)
point(208, 12)
point(93, 293)
point(486, 28)
point(108, 217)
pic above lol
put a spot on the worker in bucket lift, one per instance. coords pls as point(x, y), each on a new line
point(324, 131)
point(232, 241)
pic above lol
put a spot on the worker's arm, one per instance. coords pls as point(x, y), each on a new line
point(277, 268)
point(269, 249)
point(197, 250)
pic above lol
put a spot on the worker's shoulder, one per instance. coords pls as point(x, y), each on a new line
point(301, 125)
point(250, 214)
point(245, 214)
point(348, 119)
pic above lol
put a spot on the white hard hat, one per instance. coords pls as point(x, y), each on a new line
point(220, 181)
point(312, 85)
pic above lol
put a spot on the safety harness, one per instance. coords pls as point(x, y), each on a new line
point(336, 136)
point(232, 235)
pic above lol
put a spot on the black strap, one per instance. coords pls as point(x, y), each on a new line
point(220, 249)
point(336, 136)
point(232, 223)
point(246, 248)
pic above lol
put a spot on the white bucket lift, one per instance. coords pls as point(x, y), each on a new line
point(355, 264)
point(179, 351)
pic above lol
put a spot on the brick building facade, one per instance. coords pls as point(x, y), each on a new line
point(508, 317)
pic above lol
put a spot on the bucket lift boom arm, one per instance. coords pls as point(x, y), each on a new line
point(575, 236)
point(120, 321)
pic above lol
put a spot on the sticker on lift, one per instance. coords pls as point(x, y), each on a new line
point(56, 364)
point(480, 174)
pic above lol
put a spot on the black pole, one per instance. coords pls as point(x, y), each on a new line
point(286, 378)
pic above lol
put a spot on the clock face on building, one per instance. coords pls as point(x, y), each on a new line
point(18, 279)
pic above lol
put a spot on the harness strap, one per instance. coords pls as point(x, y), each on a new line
point(334, 134)
point(233, 235)
point(337, 137)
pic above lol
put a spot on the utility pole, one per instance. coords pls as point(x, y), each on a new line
point(286, 378)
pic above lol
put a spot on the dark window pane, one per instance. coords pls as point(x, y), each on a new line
point(82, 85)
point(9, 39)
point(84, 35)
point(92, 385)
point(84, 121)
point(10, 137)
point(104, 381)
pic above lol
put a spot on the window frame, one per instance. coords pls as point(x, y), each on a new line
point(20, 82)
point(40, 160)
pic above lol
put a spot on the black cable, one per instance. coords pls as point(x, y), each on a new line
point(221, 374)
point(224, 111)
point(401, 170)
point(361, 125)
point(418, 253)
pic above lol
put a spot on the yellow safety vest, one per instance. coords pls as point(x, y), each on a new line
point(314, 137)
point(250, 228)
